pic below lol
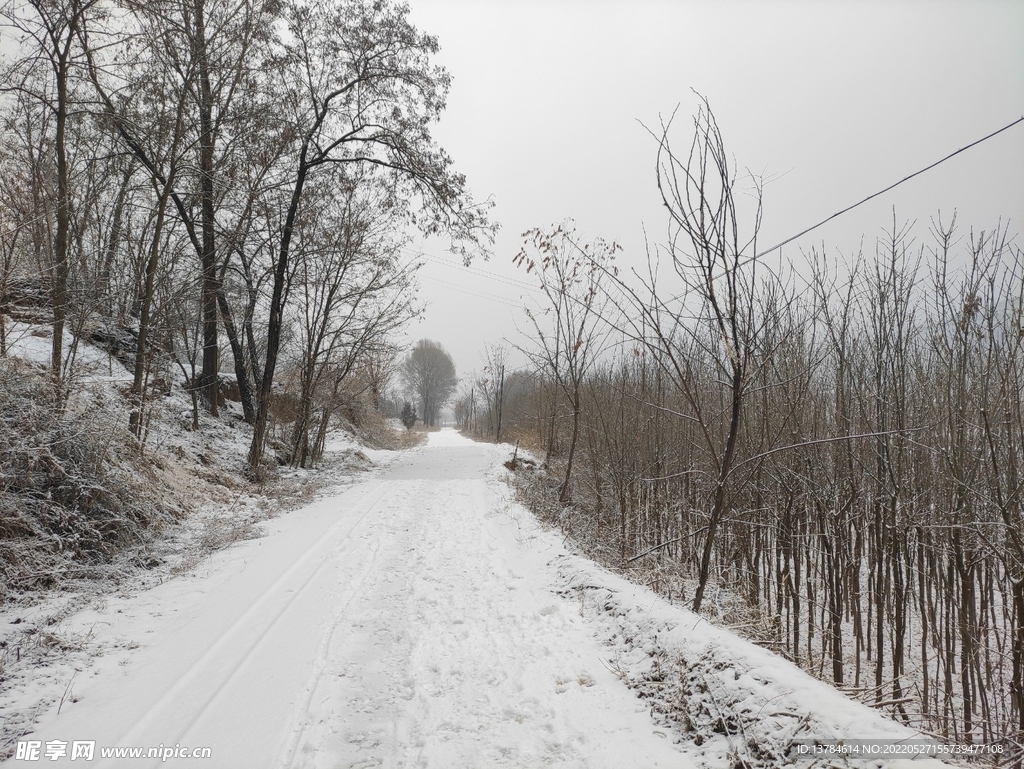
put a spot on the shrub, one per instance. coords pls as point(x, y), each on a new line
point(73, 490)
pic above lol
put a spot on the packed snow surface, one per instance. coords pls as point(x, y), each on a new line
point(421, 619)
point(406, 622)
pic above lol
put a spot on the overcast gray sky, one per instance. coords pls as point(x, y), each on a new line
point(832, 101)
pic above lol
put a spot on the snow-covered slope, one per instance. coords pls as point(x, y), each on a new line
point(733, 702)
point(417, 619)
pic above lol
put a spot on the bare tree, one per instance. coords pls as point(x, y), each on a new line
point(53, 29)
point(355, 292)
point(571, 327)
point(492, 385)
point(715, 317)
point(202, 55)
point(16, 219)
point(873, 510)
point(429, 372)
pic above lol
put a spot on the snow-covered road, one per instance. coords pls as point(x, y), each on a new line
point(408, 622)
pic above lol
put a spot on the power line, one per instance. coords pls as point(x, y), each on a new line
point(508, 281)
point(891, 186)
point(513, 282)
point(471, 292)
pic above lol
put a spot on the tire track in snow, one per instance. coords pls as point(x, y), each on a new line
point(229, 644)
point(301, 714)
point(335, 708)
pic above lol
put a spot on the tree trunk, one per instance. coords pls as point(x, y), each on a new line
point(718, 506)
point(211, 351)
point(61, 265)
point(113, 242)
point(276, 320)
point(566, 492)
point(138, 388)
point(242, 373)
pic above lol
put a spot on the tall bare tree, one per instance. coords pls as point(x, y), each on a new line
point(210, 56)
point(713, 315)
point(571, 327)
point(429, 372)
point(47, 72)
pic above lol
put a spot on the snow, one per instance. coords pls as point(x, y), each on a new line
point(340, 442)
point(34, 342)
point(418, 618)
point(400, 623)
point(740, 698)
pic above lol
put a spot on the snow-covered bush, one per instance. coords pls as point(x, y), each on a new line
point(73, 490)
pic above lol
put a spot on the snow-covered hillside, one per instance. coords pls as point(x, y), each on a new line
point(418, 618)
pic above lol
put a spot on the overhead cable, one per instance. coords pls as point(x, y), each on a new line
point(891, 186)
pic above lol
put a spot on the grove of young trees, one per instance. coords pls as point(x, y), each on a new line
point(839, 448)
point(224, 188)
